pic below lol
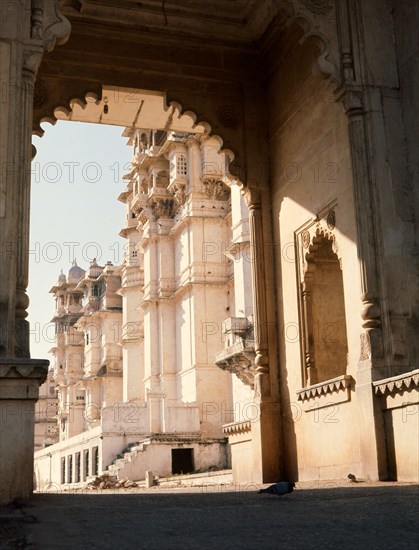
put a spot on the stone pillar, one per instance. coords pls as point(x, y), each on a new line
point(371, 360)
point(166, 309)
point(360, 81)
point(151, 327)
point(19, 389)
point(265, 431)
point(372, 338)
point(27, 29)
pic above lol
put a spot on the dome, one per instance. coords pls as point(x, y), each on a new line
point(61, 279)
point(75, 273)
point(94, 270)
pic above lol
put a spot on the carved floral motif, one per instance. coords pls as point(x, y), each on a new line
point(331, 220)
point(228, 116)
point(216, 189)
point(365, 347)
point(163, 208)
point(305, 237)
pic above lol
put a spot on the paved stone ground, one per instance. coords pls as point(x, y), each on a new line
point(324, 515)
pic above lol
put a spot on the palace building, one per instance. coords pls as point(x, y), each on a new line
point(144, 350)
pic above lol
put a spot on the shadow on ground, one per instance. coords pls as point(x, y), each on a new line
point(216, 517)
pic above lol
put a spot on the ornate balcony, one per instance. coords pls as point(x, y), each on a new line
point(238, 357)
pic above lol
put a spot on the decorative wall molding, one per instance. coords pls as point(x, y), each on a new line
point(239, 427)
point(335, 385)
point(397, 384)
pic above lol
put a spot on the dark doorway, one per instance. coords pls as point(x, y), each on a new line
point(182, 461)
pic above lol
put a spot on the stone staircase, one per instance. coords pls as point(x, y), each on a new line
point(155, 453)
point(126, 462)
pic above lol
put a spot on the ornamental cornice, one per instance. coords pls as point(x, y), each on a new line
point(237, 248)
point(397, 384)
point(238, 427)
point(24, 368)
point(340, 383)
point(182, 289)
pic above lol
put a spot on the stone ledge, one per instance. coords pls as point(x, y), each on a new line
point(396, 384)
point(335, 385)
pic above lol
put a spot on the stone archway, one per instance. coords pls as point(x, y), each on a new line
point(217, 84)
point(215, 70)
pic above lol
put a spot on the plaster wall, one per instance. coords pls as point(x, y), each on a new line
point(310, 169)
point(242, 457)
point(133, 371)
point(243, 402)
point(401, 417)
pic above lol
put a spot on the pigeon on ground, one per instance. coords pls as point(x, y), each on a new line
point(280, 488)
point(352, 478)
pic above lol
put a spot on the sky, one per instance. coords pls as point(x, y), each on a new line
point(76, 179)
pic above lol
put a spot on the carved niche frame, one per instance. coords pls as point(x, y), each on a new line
point(322, 225)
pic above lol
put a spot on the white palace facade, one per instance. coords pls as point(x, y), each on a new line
point(154, 358)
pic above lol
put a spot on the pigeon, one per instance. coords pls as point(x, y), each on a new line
point(280, 488)
point(352, 478)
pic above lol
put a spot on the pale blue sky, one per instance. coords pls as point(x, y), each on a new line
point(76, 179)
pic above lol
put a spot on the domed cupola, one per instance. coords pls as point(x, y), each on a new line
point(75, 273)
point(94, 270)
point(62, 279)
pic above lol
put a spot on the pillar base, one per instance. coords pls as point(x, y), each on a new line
point(266, 443)
point(20, 379)
point(371, 424)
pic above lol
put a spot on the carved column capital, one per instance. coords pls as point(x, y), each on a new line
point(353, 101)
point(252, 196)
point(163, 208)
point(215, 189)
